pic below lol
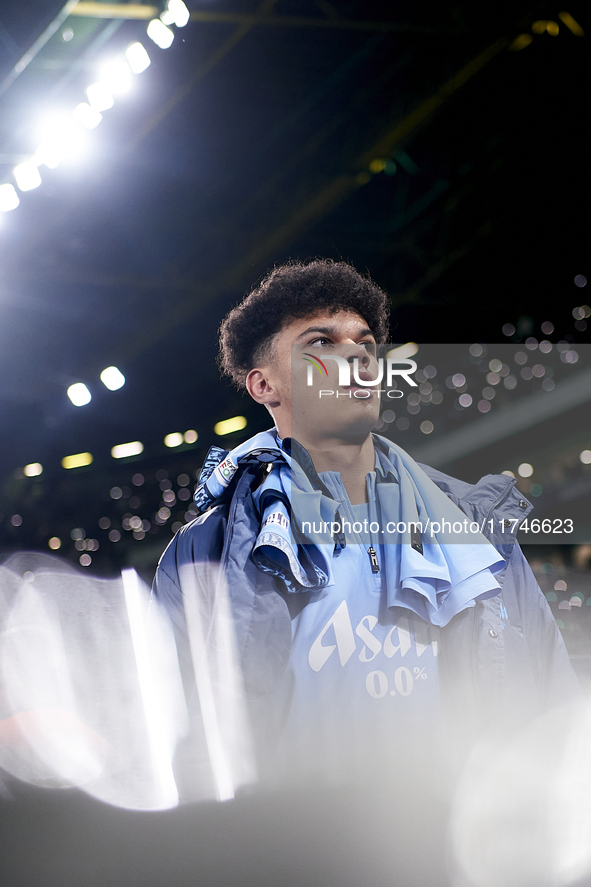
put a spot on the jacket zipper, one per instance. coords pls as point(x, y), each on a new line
point(373, 559)
point(371, 500)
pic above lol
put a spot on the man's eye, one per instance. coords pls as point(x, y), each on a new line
point(321, 340)
point(370, 346)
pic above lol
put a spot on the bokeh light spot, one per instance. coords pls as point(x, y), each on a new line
point(228, 426)
point(78, 460)
point(34, 469)
point(122, 451)
point(137, 57)
point(112, 378)
point(175, 439)
point(79, 394)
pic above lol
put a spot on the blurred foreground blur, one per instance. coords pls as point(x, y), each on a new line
point(90, 688)
point(93, 704)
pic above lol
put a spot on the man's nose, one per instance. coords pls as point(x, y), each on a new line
point(357, 351)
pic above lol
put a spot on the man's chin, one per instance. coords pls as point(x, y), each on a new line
point(354, 431)
point(357, 432)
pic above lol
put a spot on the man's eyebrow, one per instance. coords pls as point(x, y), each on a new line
point(331, 331)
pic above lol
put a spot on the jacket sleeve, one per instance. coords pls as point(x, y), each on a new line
point(534, 628)
point(198, 543)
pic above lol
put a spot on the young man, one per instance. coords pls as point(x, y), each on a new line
point(354, 591)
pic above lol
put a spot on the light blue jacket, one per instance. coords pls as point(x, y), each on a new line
point(502, 659)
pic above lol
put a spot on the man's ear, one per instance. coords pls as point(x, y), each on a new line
point(261, 388)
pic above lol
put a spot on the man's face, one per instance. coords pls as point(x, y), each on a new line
point(351, 410)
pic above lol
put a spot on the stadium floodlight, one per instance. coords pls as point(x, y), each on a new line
point(49, 154)
point(86, 115)
point(112, 378)
point(176, 13)
point(27, 175)
point(122, 451)
point(137, 57)
point(99, 97)
point(8, 198)
point(79, 394)
point(116, 76)
point(61, 138)
point(33, 469)
point(175, 439)
point(229, 426)
point(77, 460)
point(160, 34)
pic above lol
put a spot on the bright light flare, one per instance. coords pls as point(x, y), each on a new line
point(218, 680)
point(79, 394)
point(112, 378)
point(99, 97)
point(161, 748)
point(160, 34)
point(137, 57)
point(27, 175)
point(107, 724)
point(34, 469)
point(404, 351)
point(61, 138)
point(133, 448)
point(8, 198)
point(176, 13)
point(86, 115)
point(49, 155)
point(525, 470)
point(228, 426)
point(115, 76)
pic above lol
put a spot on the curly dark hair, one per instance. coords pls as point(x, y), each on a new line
point(294, 290)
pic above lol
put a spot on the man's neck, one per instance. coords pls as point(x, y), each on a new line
point(353, 461)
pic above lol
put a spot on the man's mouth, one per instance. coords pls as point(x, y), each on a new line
point(363, 376)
